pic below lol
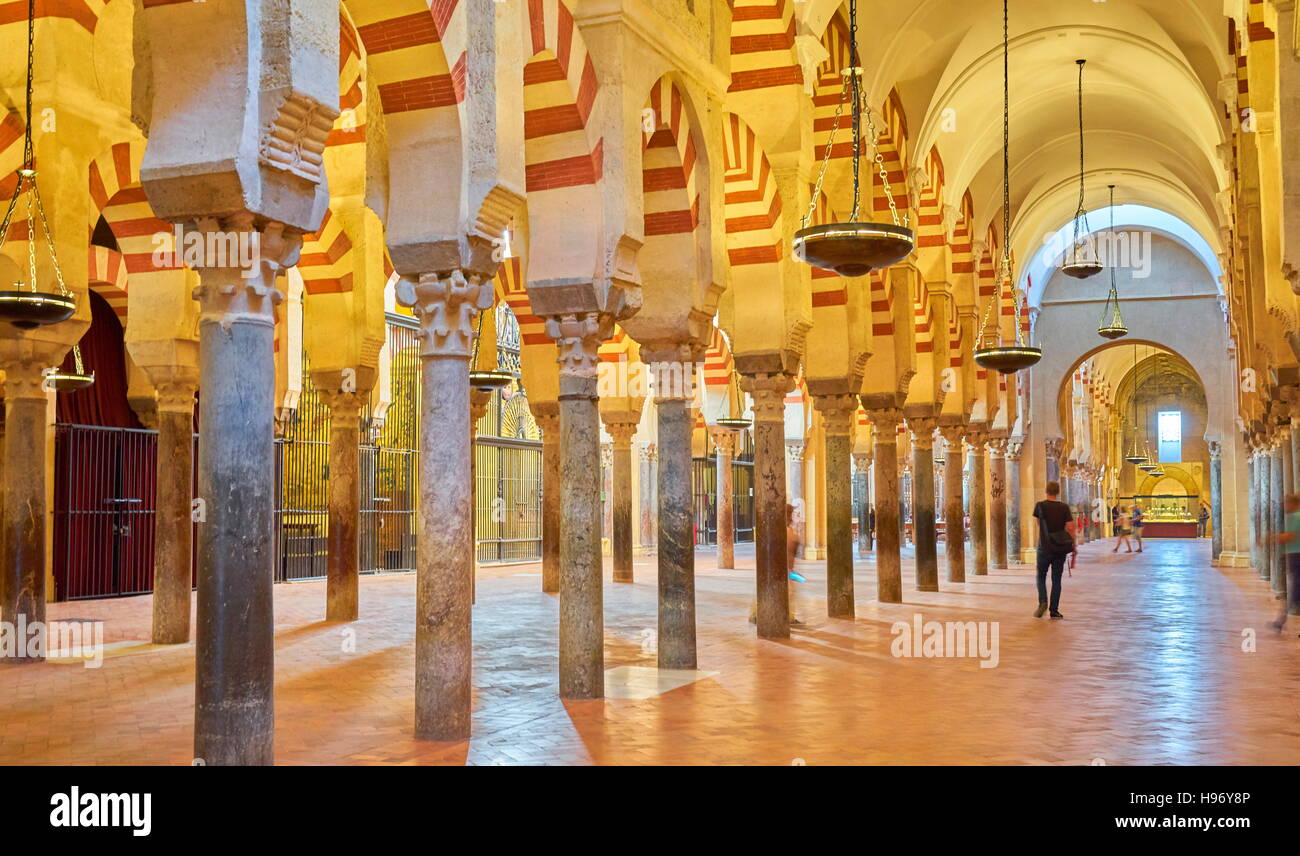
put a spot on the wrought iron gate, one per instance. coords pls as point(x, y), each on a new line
point(105, 483)
point(508, 499)
point(704, 489)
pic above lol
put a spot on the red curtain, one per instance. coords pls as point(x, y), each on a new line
point(102, 352)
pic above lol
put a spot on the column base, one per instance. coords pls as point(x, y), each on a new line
point(1229, 559)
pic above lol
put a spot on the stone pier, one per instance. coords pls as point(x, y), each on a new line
point(838, 413)
point(173, 546)
point(889, 575)
point(954, 523)
point(768, 392)
point(924, 530)
point(1014, 449)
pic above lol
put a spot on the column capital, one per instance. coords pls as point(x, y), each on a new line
point(724, 439)
point(24, 378)
point(884, 423)
point(577, 340)
point(343, 405)
point(922, 428)
point(1054, 446)
point(862, 460)
point(1014, 449)
point(447, 304)
point(674, 371)
point(649, 453)
point(768, 392)
point(1216, 449)
point(977, 437)
point(621, 433)
point(795, 450)
point(953, 435)
point(838, 412)
point(238, 268)
point(997, 447)
point(547, 416)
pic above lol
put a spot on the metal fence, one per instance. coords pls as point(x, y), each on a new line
point(390, 460)
point(508, 500)
point(704, 490)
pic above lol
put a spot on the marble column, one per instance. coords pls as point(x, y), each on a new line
point(234, 673)
point(978, 510)
point(547, 415)
point(924, 532)
point(794, 489)
point(582, 606)
point(24, 509)
point(889, 569)
point(862, 466)
point(1252, 499)
point(838, 413)
point(998, 501)
point(768, 392)
point(649, 466)
point(1295, 453)
point(446, 304)
point(1277, 520)
point(173, 546)
point(1053, 446)
point(1216, 499)
point(1280, 581)
point(343, 568)
point(621, 499)
point(954, 522)
point(674, 388)
point(724, 446)
point(1014, 448)
point(1265, 466)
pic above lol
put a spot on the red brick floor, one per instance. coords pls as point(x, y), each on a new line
point(1147, 668)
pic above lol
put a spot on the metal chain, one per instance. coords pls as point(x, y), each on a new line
point(880, 166)
point(826, 157)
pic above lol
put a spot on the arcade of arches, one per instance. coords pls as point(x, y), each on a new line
point(590, 205)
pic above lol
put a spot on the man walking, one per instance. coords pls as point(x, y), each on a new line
point(1055, 544)
point(1289, 539)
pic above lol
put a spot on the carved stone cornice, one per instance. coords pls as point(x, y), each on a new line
point(447, 305)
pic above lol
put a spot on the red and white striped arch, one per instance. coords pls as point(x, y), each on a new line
point(116, 194)
point(107, 277)
point(350, 126)
point(827, 91)
point(762, 45)
point(325, 262)
point(753, 205)
point(828, 287)
point(559, 90)
point(882, 305)
point(931, 231)
point(671, 198)
point(891, 127)
point(413, 66)
point(963, 257)
point(510, 287)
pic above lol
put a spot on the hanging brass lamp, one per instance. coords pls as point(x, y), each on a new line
point(1112, 324)
point(991, 352)
point(854, 248)
point(486, 380)
point(1082, 261)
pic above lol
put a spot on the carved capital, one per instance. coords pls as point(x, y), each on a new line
point(862, 460)
point(997, 447)
point(953, 438)
point(1055, 446)
point(648, 453)
point(838, 412)
point(24, 379)
point(724, 440)
point(1014, 449)
point(768, 392)
point(1216, 450)
point(621, 433)
point(577, 339)
point(922, 428)
point(176, 395)
point(674, 377)
point(345, 407)
point(884, 424)
point(447, 305)
point(794, 450)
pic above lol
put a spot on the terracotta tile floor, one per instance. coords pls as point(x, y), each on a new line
point(1147, 668)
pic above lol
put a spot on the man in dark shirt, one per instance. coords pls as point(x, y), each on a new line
point(1055, 544)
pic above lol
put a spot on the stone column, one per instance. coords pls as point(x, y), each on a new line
point(547, 415)
point(446, 304)
point(621, 499)
point(24, 509)
point(794, 489)
point(1054, 446)
point(838, 413)
point(343, 580)
point(1216, 499)
point(1252, 499)
point(862, 464)
point(1280, 581)
point(978, 514)
point(923, 525)
point(649, 461)
point(1277, 520)
point(234, 674)
point(768, 392)
point(674, 388)
point(889, 572)
point(173, 546)
point(1014, 448)
point(1264, 464)
point(724, 445)
point(998, 497)
point(954, 545)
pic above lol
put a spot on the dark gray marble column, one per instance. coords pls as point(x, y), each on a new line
point(1265, 567)
point(978, 510)
point(1252, 500)
point(234, 673)
point(621, 499)
point(1216, 499)
point(954, 522)
point(1280, 580)
point(889, 569)
point(998, 501)
point(24, 510)
point(1277, 520)
point(674, 390)
point(1014, 448)
point(344, 572)
point(768, 392)
point(838, 414)
point(547, 415)
point(582, 604)
point(923, 497)
point(173, 546)
point(862, 476)
point(724, 445)
point(447, 305)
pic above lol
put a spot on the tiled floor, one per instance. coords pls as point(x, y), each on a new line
point(1148, 667)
